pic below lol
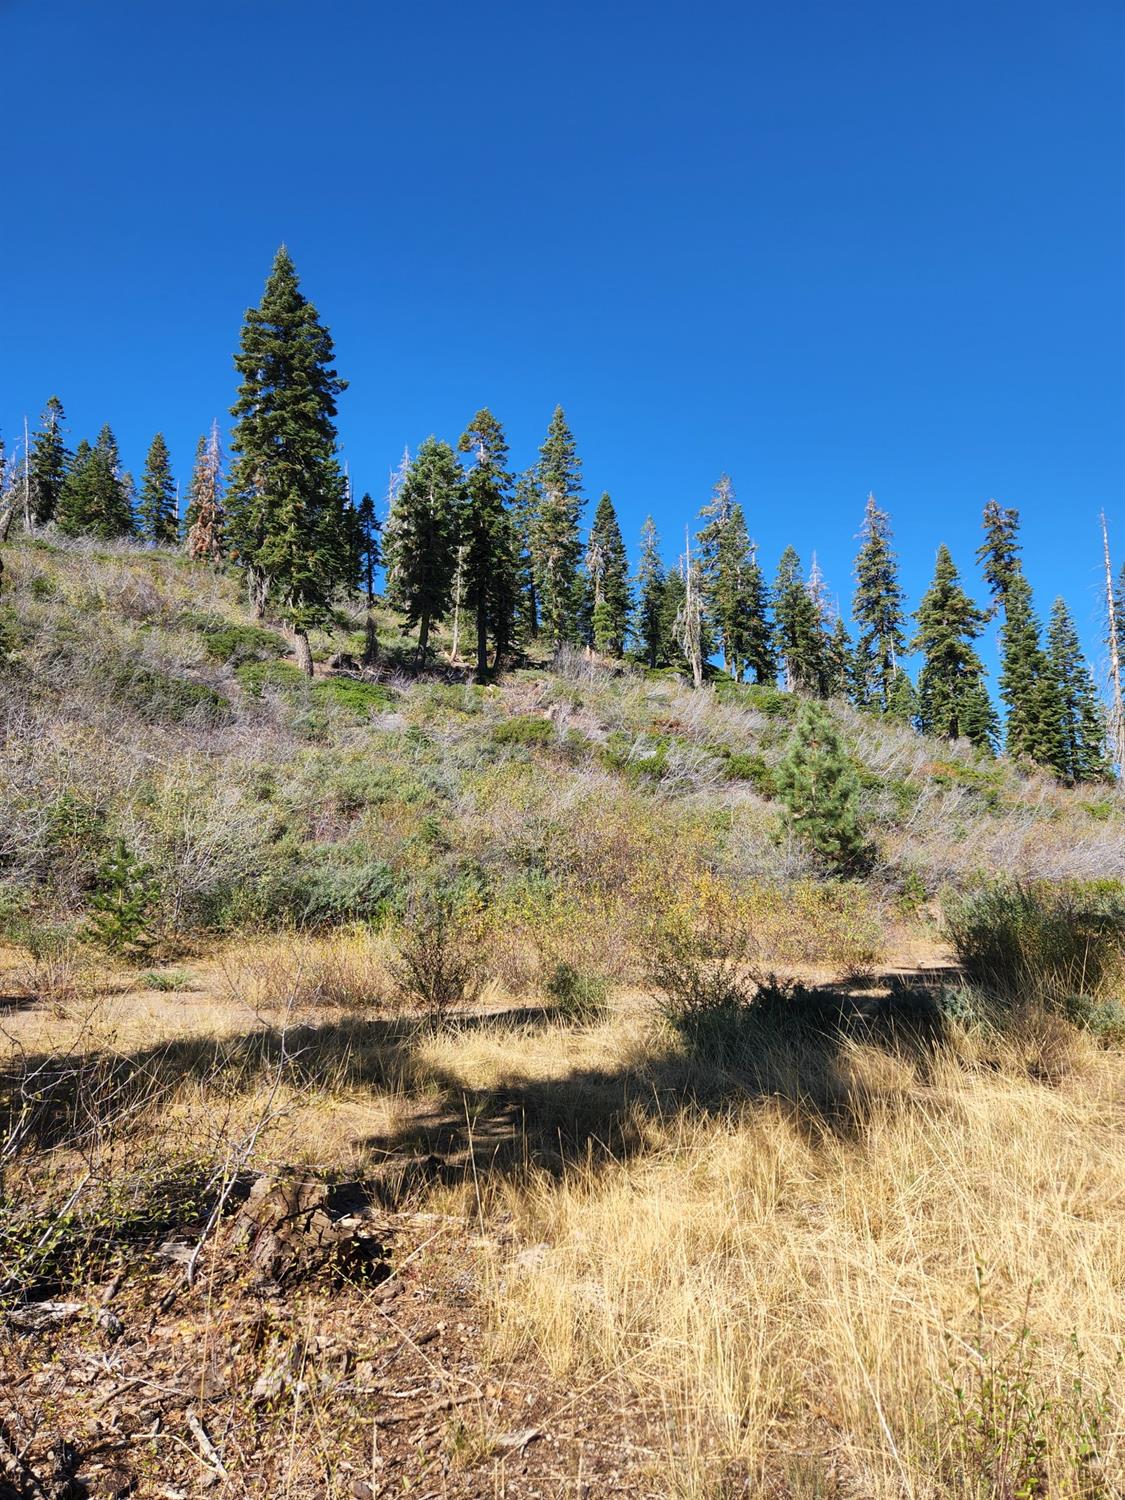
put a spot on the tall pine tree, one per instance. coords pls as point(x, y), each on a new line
point(526, 505)
point(420, 539)
point(159, 522)
point(557, 540)
point(48, 463)
point(999, 553)
point(952, 699)
point(286, 520)
point(1027, 687)
point(1083, 730)
point(94, 498)
point(486, 535)
point(607, 567)
point(798, 627)
point(648, 618)
point(877, 610)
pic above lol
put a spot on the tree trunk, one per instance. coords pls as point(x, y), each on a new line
point(370, 644)
point(423, 637)
point(303, 652)
point(482, 646)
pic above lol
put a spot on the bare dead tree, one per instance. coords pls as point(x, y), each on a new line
point(1117, 710)
point(689, 617)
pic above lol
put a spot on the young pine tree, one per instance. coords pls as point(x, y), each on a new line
point(1083, 728)
point(557, 542)
point(420, 539)
point(817, 782)
point(902, 705)
point(952, 699)
point(999, 553)
point(607, 567)
point(159, 522)
point(48, 463)
point(648, 618)
point(486, 537)
point(286, 507)
point(877, 610)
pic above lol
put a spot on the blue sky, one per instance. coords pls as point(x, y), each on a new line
point(826, 248)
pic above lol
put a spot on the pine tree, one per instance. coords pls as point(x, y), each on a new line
point(902, 704)
point(488, 564)
point(755, 641)
point(48, 463)
point(557, 543)
point(203, 523)
point(1083, 729)
point(94, 498)
point(156, 512)
point(952, 699)
point(607, 566)
point(999, 553)
point(839, 662)
point(877, 610)
point(420, 539)
point(286, 522)
point(367, 546)
point(526, 504)
point(798, 627)
point(1027, 687)
point(817, 782)
point(718, 569)
point(648, 620)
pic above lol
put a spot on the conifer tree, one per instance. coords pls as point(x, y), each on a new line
point(755, 632)
point(488, 564)
point(286, 522)
point(952, 699)
point(999, 553)
point(672, 593)
point(526, 505)
point(607, 567)
point(48, 463)
point(648, 620)
point(902, 705)
point(367, 546)
point(156, 512)
point(817, 782)
point(557, 543)
point(1027, 688)
point(420, 539)
point(718, 570)
point(1083, 728)
point(877, 610)
point(203, 523)
point(839, 662)
point(798, 627)
point(94, 499)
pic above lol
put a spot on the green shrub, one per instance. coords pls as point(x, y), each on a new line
point(742, 765)
point(1056, 946)
point(524, 730)
point(157, 697)
point(255, 677)
point(166, 980)
point(437, 966)
point(228, 641)
point(760, 695)
point(577, 996)
point(350, 693)
point(328, 886)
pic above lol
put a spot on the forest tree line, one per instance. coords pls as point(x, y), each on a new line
point(505, 555)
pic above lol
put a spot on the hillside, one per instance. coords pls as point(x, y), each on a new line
point(414, 1087)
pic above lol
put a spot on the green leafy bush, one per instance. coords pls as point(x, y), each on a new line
point(1055, 946)
point(524, 730)
point(741, 765)
point(158, 697)
point(577, 996)
point(228, 641)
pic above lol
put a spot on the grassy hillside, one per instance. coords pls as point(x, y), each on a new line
point(634, 1153)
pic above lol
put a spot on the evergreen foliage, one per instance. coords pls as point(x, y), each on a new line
point(48, 463)
point(487, 537)
point(902, 703)
point(877, 610)
point(952, 698)
point(556, 541)
point(1083, 731)
point(366, 546)
point(999, 553)
point(94, 498)
point(817, 782)
point(420, 539)
point(798, 627)
point(648, 619)
point(1028, 689)
point(607, 567)
point(526, 505)
point(159, 522)
point(123, 903)
point(839, 662)
point(286, 522)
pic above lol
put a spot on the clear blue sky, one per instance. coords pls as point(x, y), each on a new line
point(829, 248)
